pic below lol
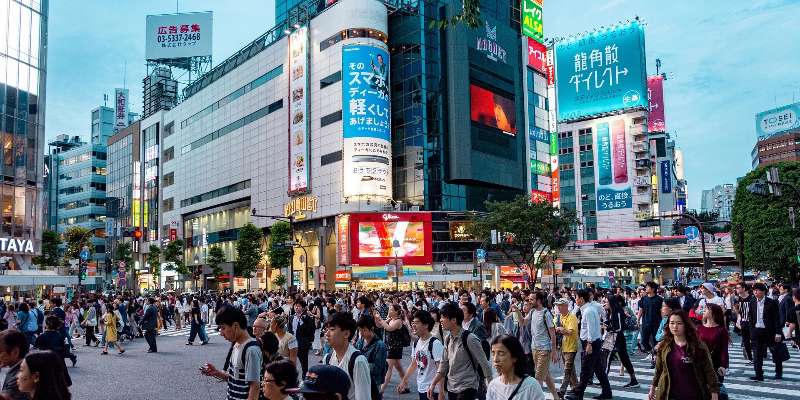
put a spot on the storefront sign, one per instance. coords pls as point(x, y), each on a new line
point(11, 245)
point(342, 276)
point(511, 271)
point(173, 230)
point(458, 231)
point(489, 44)
point(344, 242)
point(300, 204)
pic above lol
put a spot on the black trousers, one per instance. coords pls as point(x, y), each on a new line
point(624, 357)
point(302, 356)
point(468, 394)
point(648, 337)
point(760, 341)
point(90, 337)
point(591, 365)
point(746, 342)
point(150, 336)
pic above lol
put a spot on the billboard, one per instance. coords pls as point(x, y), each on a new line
point(540, 168)
point(493, 110)
point(120, 109)
point(665, 168)
point(537, 55)
point(538, 196)
point(613, 172)
point(532, 19)
point(170, 36)
point(372, 237)
point(601, 72)
point(365, 126)
point(778, 120)
point(655, 97)
point(298, 110)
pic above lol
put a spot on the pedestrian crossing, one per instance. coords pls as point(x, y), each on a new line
point(171, 331)
point(737, 382)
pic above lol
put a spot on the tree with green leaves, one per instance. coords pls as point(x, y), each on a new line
point(707, 218)
point(279, 257)
point(769, 240)
point(470, 15)
point(531, 230)
point(248, 251)
point(154, 262)
point(173, 256)
point(50, 256)
point(123, 253)
point(279, 281)
point(216, 256)
point(73, 237)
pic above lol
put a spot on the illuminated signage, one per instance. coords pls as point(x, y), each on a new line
point(300, 204)
point(151, 173)
point(298, 110)
point(489, 44)
point(342, 276)
point(537, 55)
point(540, 168)
point(344, 240)
point(373, 237)
point(458, 231)
point(16, 245)
point(532, 19)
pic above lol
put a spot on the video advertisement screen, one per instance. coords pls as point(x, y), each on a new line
point(373, 238)
point(493, 110)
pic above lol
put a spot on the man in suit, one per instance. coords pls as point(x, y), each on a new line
point(765, 330)
point(785, 302)
point(149, 324)
point(686, 299)
point(301, 325)
point(471, 322)
point(13, 349)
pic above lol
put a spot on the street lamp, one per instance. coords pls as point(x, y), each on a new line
point(396, 246)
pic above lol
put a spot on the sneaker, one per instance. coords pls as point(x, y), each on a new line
point(749, 363)
point(632, 385)
point(648, 358)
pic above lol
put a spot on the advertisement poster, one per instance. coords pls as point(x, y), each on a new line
point(373, 237)
point(493, 110)
point(655, 94)
point(537, 55)
point(120, 109)
point(666, 176)
point(532, 19)
point(178, 35)
point(344, 240)
point(540, 168)
point(298, 110)
point(601, 72)
point(778, 120)
point(554, 178)
point(613, 171)
point(365, 122)
point(538, 196)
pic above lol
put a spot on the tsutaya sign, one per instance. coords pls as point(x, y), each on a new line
point(16, 245)
point(300, 204)
point(489, 44)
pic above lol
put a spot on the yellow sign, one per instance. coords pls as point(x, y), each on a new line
point(642, 215)
point(300, 204)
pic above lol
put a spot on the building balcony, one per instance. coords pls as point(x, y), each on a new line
point(641, 181)
point(641, 146)
point(643, 198)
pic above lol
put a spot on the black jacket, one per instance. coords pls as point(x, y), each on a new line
point(688, 302)
point(305, 331)
point(52, 340)
point(150, 319)
point(772, 322)
point(784, 307)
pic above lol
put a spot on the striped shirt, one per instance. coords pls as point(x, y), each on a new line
point(240, 376)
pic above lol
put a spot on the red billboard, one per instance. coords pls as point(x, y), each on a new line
point(537, 55)
point(655, 94)
point(538, 196)
point(373, 236)
point(493, 109)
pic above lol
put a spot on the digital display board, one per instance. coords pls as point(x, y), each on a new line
point(373, 236)
point(601, 72)
point(493, 110)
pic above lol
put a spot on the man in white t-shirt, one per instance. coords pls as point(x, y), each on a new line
point(426, 354)
point(707, 296)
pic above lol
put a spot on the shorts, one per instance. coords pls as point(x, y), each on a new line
point(541, 358)
point(395, 354)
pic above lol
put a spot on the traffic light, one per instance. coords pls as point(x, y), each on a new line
point(137, 233)
point(83, 274)
point(474, 272)
point(311, 275)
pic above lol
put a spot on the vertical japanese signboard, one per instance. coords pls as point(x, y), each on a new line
point(655, 96)
point(120, 109)
point(537, 55)
point(298, 110)
point(365, 122)
point(551, 116)
point(344, 239)
point(532, 19)
point(613, 169)
point(601, 72)
point(666, 176)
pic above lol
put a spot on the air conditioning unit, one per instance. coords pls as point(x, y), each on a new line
point(387, 207)
point(415, 208)
point(402, 206)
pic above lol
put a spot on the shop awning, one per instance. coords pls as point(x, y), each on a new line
point(379, 271)
point(37, 277)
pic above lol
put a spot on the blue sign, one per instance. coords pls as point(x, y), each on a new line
point(365, 90)
point(666, 176)
point(481, 253)
point(601, 72)
point(85, 254)
point(114, 273)
point(692, 233)
point(610, 199)
point(121, 274)
point(538, 134)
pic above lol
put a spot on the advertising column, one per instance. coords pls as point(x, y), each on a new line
point(365, 122)
point(551, 117)
point(298, 111)
point(120, 109)
point(655, 96)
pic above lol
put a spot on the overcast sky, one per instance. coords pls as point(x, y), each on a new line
point(725, 60)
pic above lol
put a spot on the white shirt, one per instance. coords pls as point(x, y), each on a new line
point(590, 323)
point(360, 388)
point(529, 389)
point(760, 312)
point(426, 362)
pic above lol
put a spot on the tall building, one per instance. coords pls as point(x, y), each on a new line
point(719, 199)
point(103, 124)
point(23, 50)
point(778, 136)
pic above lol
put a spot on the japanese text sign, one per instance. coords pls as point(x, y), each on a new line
point(655, 95)
point(532, 19)
point(170, 36)
point(120, 109)
point(609, 199)
point(298, 110)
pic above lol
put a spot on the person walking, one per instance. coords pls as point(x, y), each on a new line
point(23, 322)
point(650, 315)
point(765, 330)
point(112, 321)
point(590, 335)
point(567, 327)
point(393, 327)
point(52, 339)
point(301, 325)
point(43, 376)
point(90, 323)
point(426, 355)
point(513, 382)
point(615, 325)
point(278, 377)
point(149, 324)
point(742, 308)
point(287, 346)
point(714, 333)
point(684, 370)
point(195, 322)
point(13, 349)
point(543, 345)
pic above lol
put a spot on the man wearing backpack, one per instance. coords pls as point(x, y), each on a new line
point(463, 362)
point(242, 370)
point(372, 347)
point(426, 355)
point(339, 331)
point(543, 343)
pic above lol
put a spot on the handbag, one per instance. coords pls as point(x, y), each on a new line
point(780, 353)
point(609, 341)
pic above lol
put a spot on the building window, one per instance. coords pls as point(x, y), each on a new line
point(351, 34)
point(169, 204)
point(330, 80)
point(331, 158)
point(330, 118)
point(169, 154)
point(169, 179)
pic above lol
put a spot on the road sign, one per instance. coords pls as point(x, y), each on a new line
point(611, 281)
point(122, 265)
point(85, 254)
point(302, 258)
point(122, 282)
point(114, 273)
point(122, 274)
point(278, 246)
point(525, 277)
point(611, 273)
point(692, 232)
point(481, 253)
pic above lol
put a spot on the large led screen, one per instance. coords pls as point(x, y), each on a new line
point(373, 238)
point(492, 109)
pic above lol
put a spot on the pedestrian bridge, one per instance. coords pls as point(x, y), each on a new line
point(720, 253)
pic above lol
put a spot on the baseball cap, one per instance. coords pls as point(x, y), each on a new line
point(562, 301)
point(324, 379)
point(708, 287)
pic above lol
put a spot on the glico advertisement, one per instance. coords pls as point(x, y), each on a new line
point(365, 121)
point(613, 166)
point(493, 110)
point(601, 72)
point(298, 114)
point(373, 236)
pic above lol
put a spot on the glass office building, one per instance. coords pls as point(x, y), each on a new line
point(23, 44)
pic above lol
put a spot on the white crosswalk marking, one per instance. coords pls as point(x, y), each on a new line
point(211, 331)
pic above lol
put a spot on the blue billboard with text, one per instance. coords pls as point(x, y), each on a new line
point(601, 72)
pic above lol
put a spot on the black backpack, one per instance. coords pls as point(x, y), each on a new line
point(477, 369)
point(405, 336)
point(430, 345)
point(374, 390)
point(244, 355)
point(39, 320)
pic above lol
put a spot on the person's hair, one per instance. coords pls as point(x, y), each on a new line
point(399, 310)
point(425, 318)
point(471, 309)
point(366, 302)
point(366, 321)
point(673, 303)
point(56, 302)
point(23, 307)
point(540, 297)
point(786, 286)
point(489, 318)
point(693, 342)
point(52, 322)
point(195, 303)
point(744, 285)
point(615, 305)
point(284, 372)
point(681, 289)
point(760, 286)
point(515, 349)
point(344, 321)
point(52, 383)
point(302, 303)
point(652, 285)
point(151, 300)
point(584, 294)
point(450, 310)
point(228, 315)
point(11, 339)
point(717, 313)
